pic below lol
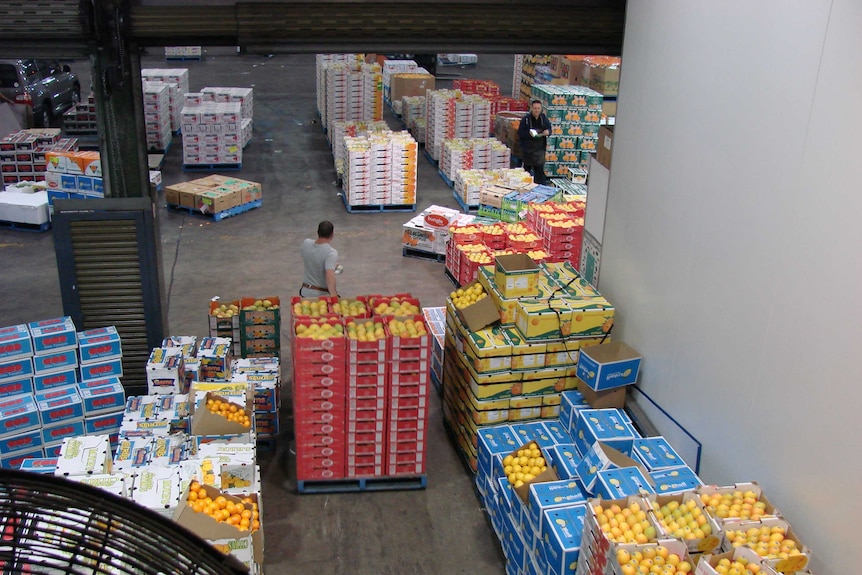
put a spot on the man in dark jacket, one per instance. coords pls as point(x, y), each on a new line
point(533, 132)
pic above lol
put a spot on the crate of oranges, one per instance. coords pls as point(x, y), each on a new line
point(218, 416)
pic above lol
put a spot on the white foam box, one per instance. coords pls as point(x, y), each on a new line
point(145, 428)
point(157, 488)
point(133, 452)
point(99, 344)
point(169, 450)
point(84, 456)
point(15, 342)
point(141, 407)
point(165, 370)
point(24, 208)
point(116, 483)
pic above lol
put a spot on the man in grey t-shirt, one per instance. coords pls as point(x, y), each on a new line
point(320, 260)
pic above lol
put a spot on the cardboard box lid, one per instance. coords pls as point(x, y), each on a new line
point(611, 352)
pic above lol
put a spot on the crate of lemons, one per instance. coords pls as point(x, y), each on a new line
point(524, 465)
point(467, 296)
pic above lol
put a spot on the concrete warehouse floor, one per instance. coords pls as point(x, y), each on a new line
point(437, 530)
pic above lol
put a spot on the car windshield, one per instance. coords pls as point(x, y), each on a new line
point(8, 76)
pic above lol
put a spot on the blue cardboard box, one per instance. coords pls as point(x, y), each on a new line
point(564, 460)
point(28, 440)
point(562, 528)
point(84, 184)
point(552, 494)
point(99, 344)
point(495, 440)
point(558, 432)
point(56, 393)
point(608, 365)
point(675, 479)
point(18, 414)
point(571, 403)
point(15, 342)
point(46, 465)
point(14, 460)
point(104, 424)
point(62, 408)
point(622, 482)
point(601, 457)
point(53, 335)
point(611, 426)
point(533, 431)
point(9, 388)
point(104, 398)
point(102, 368)
point(46, 381)
point(656, 453)
point(55, 361)
point(57, 433)
point(16, 369)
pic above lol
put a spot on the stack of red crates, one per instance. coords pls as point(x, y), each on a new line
point(561, 242)
point(407, 411)
point(319, 400)
point(366, 404)
point(481, 87)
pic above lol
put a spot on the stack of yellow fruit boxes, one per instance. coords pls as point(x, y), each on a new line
point(516, 370)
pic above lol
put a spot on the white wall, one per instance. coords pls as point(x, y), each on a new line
point(732, 244)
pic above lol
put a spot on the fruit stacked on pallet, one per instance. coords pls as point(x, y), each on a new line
point(183, 52)
point(353, 92)
point(81, 119)
point(413, 109)
point(75, 175)
point(253, 324)
point(380, 169)
point(575, 113)
point(361, 370)
point(391, 67)
point(214, 194)
point(244, 97)
point(481, 87)
point(22, 153)
point(353, 129)
point(212, 132)
point(529, 72)
point(177, 80)
point(452, 114)
point(157, 115)
point(55, 383)
point(428, 231)
point(470, 183)
point(473, 154)
point(322, 62)
point(513, 340)
point(416, 83)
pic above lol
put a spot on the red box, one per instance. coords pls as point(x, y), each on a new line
point(318, 393)
point(419, 424)
point(406, 413)
point(367, 460)
point(420, 390)
point(395, 469)
point(406, 449)
point(366, 369)
point(366, 380)
point(374, 414)
point(364, 471)
point(307, 344)
point(365, 437)
point(317, 432)
point(406, 354)
point(396, 436)
point(412, 402)
point(370, 356)
point(421, 342)
point(306, 405)
point(377, 404)
point(407, 366)
point(319, 469)
point(376, 301)
point(365, 426)
point(308, 451)
point(366, 392)
point(364, 449)
point(335, 356)
point(328, 299)
point(334, 418)
point(316, 370)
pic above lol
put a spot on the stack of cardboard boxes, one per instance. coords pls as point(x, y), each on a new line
point(510, 355)
point(353, 92)
point(353, 129)
point(412, 109)
point(183, 52)
point(244, 97)
point(361, 403)
point(212, 132)
point(390, 67)
point(402, 85)
point(214, 194)
point(469, 186)
point(452, 114)
point(157, 115)
point(22, 153)
point(528, 73)
point(177, 81)
point(322, 62)
point(380, 169)
point(74, 175)
point(473, 154)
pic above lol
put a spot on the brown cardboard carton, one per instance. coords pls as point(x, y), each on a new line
point(603, 399)
point(606, 142)
point(409, 84)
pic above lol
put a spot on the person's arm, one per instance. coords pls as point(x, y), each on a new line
point(546, 123)
point(330, 283)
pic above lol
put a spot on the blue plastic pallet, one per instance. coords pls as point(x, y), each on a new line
point(438, 385)
point(366, 484)
point(211, 167)
point(446, 179)
point(219, 216)
point(376, 207)
point(422, 255)
point(43, 227)
point(465, 207)
point(434, 162)
point(183, 58)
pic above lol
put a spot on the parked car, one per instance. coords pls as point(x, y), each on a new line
point(44, 88)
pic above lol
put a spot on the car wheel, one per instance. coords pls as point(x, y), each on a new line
point(45, 116)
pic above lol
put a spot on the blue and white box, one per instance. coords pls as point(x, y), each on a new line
point(53, 335)
point(16, 368)
point(165, 370)
point(27, 440)
point(62, 408)
point(622, 482)
point(106, 423)
point(562, 528)
point(601, 457)
point(96, 345)
point(15, 342)
point(611, 426)
point(564, 460)
point(132, 452)
point(16, 459)
point(46, 465)
point(54, 361)
point(608, 365)
point(656, 453)
point(9, 388)
point(51, 380)
point(558, 432)
point(552, 494)
point(18, 414)
point(495, 440)
point(571, 403)
point(104, 398)
point(52, 434)
point(675, 480)
point(56, 393)
point(533, 431)
point(102, 368)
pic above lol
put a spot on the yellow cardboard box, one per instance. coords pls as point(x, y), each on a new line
point(591, 316)
point(516, 275)
point(543, 319)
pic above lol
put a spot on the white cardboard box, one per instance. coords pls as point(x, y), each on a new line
point(24, 208)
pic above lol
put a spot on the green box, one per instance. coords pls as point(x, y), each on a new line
point(489, 211)
point(510, 216)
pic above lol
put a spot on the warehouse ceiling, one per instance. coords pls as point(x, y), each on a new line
point(64, 27)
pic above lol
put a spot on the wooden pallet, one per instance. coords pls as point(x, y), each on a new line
point(363, 484)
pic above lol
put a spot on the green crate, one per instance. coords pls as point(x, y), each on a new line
point(489, 212)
